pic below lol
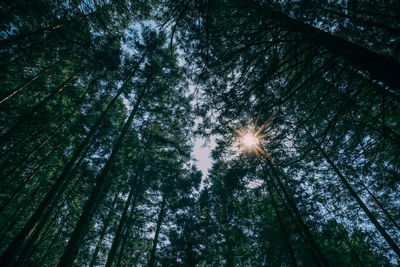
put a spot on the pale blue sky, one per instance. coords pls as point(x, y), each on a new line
point(202, 154)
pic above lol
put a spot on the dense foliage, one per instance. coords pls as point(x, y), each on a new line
point(101, 101)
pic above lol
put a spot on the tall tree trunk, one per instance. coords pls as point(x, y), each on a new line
point(125, 237)
point(353, 193)
point(32, 246)
point(117, 236)
point(27, 82)
point(380, 67)
point(63, 179)
point(385, 211)
point(296, 211)
point(282, 226)
point(133, 191)
point(346, 237)
point(20, 143)
point(103, 232)
point(16, 215)
point(61, 22)
point(160, 219)
point(70, 252)
point(314, 256)
point(361, 21)
point(36, 232)
point(54, 239)
point(38, 217)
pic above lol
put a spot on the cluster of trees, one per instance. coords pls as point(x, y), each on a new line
point(97, 122)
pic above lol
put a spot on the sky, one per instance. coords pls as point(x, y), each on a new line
point(202, 149)
point(202, 154)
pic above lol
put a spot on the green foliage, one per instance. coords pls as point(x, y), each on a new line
point(97, 122)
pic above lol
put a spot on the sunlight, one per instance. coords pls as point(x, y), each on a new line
point(252, 139)
point(249, 140)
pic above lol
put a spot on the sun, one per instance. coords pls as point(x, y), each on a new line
point(251, 139)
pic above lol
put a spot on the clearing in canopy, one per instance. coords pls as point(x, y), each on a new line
point(103, 104)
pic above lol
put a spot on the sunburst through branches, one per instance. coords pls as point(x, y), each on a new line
point(251, 139)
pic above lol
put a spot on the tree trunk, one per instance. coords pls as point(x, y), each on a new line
point(124, 216)
point(22, 86)
point(20, 143)
point(285, 234)
point(380, 67)
point(103, 232)
point(117, 236)
point(6, 227)
point(38, 130)
point(38, 217)
point(32, 246)
point(126, 233)
point(56, 235)
point(386, 212)
point(160, 219)
point(296, 211)
point(70, 252)
point(353, 193)
point(362, 21)
point(34, 235)
point(314, 256)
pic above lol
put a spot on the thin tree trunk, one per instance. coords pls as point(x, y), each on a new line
point(31, 248)
point(56, 24)
point(133, 191)
point(70, 252)
point(20, 143)
point(125, 237)
point(117, 236)
point(74, 109)
point(6, 227)
point(285, 234)
point(296, 211)
point(386, 212)
point(56, 235)
point(27, 82)
point(314, 256)
point(69, 116)
point(19, 37)
point(24, 119)
point(347, 239)
point(123, 244)
point(36, 218)
point(160, 219)
point(344, 181)
point(103, 232)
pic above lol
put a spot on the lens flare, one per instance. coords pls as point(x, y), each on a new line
point(249, 140)
point(252, 139)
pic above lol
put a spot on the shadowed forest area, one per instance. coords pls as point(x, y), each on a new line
point(101, 102)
